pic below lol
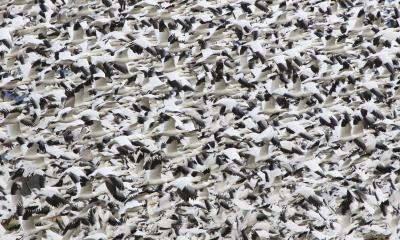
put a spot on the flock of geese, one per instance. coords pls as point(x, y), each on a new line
point(221, 119)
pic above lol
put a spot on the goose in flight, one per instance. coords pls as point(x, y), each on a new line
point(199, 119)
